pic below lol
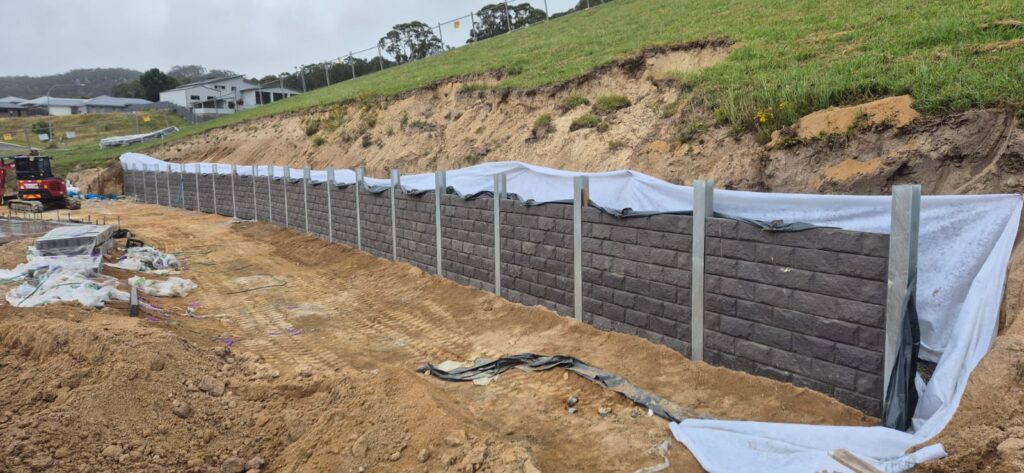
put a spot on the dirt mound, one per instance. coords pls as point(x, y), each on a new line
point(891, 111)
point(98, 180)
point(668, 64)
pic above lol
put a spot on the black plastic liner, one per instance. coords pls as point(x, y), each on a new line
point(485, 368)
point(901, 393)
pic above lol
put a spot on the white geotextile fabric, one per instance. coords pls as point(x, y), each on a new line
point(148, 260)
point(965, 246)
point(61, 279)
point(171, 287)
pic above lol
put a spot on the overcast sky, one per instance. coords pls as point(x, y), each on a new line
point(252, 37)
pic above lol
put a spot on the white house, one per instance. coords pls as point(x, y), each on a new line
point(56, 106)
point(223, 96)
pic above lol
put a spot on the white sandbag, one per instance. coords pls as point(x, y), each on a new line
point(172, 287)
point(71, 283)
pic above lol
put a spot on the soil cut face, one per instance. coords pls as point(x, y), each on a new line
point(316, 371)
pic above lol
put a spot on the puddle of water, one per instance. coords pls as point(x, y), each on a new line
point(14, 229)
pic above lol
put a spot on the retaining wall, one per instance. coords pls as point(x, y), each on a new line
point(806, 308)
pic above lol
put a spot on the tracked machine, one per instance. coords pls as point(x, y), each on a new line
point(38, 188)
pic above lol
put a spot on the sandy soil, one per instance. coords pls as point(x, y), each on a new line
point(320, 375)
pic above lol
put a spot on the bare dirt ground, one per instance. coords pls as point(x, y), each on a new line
point(301, 354)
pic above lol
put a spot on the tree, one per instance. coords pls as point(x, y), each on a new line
point(495, 19)
point(193, 73)
point(128, 89)
point(154, 81)
point(411, 41)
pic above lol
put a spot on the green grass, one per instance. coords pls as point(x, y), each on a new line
point(791, 57)
point(587, 120)
point(610, 103)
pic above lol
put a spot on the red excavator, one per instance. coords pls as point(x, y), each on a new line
point(38, 188)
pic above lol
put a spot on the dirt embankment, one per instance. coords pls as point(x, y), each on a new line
point(861, 149)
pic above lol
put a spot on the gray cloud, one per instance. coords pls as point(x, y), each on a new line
point(254, 37)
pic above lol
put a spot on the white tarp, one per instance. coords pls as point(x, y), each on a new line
point(965, 246)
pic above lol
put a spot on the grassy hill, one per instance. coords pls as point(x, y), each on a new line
point(82, 150)
point(792, 57)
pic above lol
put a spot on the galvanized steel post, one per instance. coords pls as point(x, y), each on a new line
point(500, 186)
point(703, 207)
point(213, 179)
point(145, 186)
point(903, 238)
point(181, 184)
point(270, 194)
point(198, 169)
point(440, 189)
point(234, 201)
point(286, 183)
point(360, 175)
point(396, 184)
point(330, 205)
point(580, 199)
point(255, 208)
point(305, 196)
point(167, 180)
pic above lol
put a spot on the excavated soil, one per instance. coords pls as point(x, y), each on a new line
point(301, 354)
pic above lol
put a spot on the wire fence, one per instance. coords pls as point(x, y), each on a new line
point(498, 18)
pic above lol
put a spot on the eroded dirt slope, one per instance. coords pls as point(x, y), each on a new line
point(319, 375)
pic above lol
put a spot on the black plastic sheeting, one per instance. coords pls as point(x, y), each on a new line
point(901, 393)
point(485, 368)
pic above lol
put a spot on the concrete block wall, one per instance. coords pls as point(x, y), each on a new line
point(467, 241)
point(416, 234)
point(344, 213)
point(536, 254)
point(806, 308)
point(223, 192)
point(636, 275)
point(246, 207)
point(375, 213)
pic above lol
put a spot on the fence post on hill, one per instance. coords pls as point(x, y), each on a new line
point(305, 196)
point(396, 184)
point(167, 179)
point(330, 205)
point(255, 208)
point(285, 184)
point(580, 200)
point(234, 201)
point(703, 207)
point(500, 188)
point(360, 175)
point(440, 189)
point(903, 238)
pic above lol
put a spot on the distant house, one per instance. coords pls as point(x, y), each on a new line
point(108, 104)
point(11, 109)
point(223, 95)
point(56, 106)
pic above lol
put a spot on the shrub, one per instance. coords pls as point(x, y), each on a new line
point(40, 127)
point(690, 131)
point(318, 141)
point(423, 125)
point(473, 87)
point(542, 122)
point(572, 102)
point(312, 127)
point(587, 120)
point(615, 145)
point(610, 103)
